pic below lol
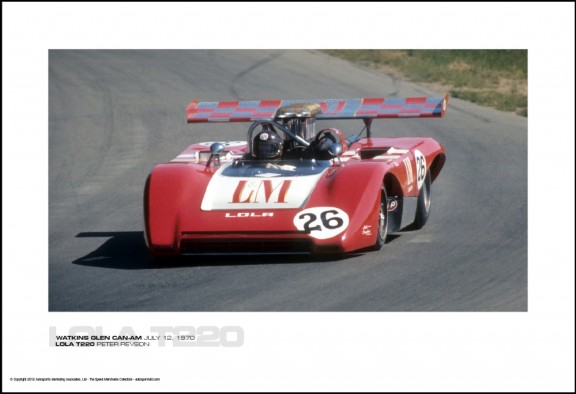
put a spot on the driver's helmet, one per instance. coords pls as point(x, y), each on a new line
point(267, 145)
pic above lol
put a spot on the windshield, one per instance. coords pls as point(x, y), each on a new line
point(283, 168)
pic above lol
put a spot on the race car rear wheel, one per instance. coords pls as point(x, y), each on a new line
point(382, 220)
point(423, 205)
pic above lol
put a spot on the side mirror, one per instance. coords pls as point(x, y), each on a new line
point(215, 149)
point(335, 150)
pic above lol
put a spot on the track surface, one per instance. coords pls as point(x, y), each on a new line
point(115, 114)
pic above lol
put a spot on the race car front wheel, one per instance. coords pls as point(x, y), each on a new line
point(382, 220)
point(423, 205)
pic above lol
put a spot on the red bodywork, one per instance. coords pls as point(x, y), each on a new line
point(176, 223)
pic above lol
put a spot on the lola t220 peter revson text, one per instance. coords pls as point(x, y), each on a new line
point(289, 189)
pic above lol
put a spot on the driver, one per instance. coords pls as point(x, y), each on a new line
point(267, 145)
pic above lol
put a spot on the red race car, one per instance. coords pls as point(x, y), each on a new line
point(289, 189)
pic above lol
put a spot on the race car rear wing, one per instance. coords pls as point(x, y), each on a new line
point(353, 108)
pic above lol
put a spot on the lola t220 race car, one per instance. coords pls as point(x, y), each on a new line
point(289, 189)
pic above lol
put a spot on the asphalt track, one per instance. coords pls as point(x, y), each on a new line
point(115, 114)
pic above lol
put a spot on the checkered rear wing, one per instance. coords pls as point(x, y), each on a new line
point(353, 108)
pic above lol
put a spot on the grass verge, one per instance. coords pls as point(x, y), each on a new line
point(494, 78)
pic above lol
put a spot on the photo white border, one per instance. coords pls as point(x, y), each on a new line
point(531, 351)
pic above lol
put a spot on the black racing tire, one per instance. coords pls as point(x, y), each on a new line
point(382, 233)
point(423, 205)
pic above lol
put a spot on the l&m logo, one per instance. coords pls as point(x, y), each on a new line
point(225, 193)
point(261, 191)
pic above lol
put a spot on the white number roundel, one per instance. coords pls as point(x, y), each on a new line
point(322, 222)
point(420, 167)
